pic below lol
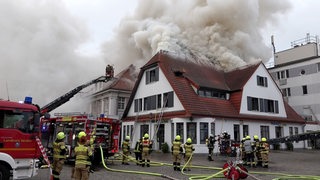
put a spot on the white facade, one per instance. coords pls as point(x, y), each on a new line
point(200, 128)
point(299, 81)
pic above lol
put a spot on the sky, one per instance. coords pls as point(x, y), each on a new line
point(49, 47)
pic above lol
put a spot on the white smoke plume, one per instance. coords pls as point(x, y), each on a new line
point(38, 40)
point(225, 33)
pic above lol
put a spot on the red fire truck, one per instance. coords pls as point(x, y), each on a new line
point(105, 132)
point(19, 127)
point(19, 131)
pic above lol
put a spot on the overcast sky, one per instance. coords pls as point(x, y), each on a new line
point(49, 47)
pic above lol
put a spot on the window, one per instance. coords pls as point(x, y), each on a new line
point(296, 130)
point(236, 132)
point(106, 104)
point(262, 81)
point(192, 132)
point(262, 105)
point(213, 128)
point(304, 89)
point(121, 102)
point(253, 103)
point(204, 130)
point(245, 130)
point(124, 132)
point(152, 75)
point(159, 101)
point(318, 64)
point(264, 132)
point(286, 92)
point(144, 129)
point(168, 99)
point(290, 131)
point(283, 74)
point(137, 105)
point(179, 130)
point(212, 93)
point(278, 131)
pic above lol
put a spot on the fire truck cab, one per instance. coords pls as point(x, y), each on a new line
point(19, 128)
point(104, 132)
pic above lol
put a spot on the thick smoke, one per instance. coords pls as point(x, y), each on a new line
point(38, 41)
point(225, 33)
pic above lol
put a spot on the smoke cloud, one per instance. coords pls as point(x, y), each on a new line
point(38, 42)
point(227, 34)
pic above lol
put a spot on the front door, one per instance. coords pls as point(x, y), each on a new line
point(160, 136)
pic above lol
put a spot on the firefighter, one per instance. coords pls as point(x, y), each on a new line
point(242, 151)
point(256, 150)
point(138, 152)
point(248, 148)
point(188, 150)
point(126, 150)
point(177, 150)
point(146, 147)
point(59, 155)
point(90, 144)
point(83, 159)
point(210, 144)
point(264, 152)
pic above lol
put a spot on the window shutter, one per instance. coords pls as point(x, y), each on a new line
point(249, 103)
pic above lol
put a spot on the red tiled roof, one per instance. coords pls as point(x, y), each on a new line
point(181, 73)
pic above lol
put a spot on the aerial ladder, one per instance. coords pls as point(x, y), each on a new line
point(66, 97)
point(312, 135)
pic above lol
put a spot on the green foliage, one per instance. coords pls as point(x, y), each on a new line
point(165, 147)
point(289, 146)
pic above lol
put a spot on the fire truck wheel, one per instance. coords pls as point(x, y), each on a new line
point(4, 172)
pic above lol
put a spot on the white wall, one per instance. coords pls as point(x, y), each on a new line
point(271, 92)
point(159, 87)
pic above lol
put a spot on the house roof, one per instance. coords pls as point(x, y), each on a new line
point(182, 74)
point(123, 81)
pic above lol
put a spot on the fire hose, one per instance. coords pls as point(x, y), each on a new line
point(230, 170)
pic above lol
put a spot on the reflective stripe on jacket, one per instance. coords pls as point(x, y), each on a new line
point(176, 147)
point(188, 149)
point(58, 148)
point(82, 154)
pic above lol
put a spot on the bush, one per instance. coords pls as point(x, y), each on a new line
point(165, 147)
point(289, 146)
point(276, 147)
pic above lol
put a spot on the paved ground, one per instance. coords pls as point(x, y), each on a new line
point(297, 162)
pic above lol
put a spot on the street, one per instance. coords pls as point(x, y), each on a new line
point(297, 162)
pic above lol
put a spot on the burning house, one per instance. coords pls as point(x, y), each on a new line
point(176, 96)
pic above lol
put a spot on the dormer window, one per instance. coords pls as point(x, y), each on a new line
point(212, 93)
point(152, 75)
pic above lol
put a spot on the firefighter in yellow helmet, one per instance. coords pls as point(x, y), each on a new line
point(248, 149)
point(177, 150)
point(126, 150)
point(59, 155)
point(188, 151)
point(83, 158)
point(264, 152)
point(256, 150)
point(146, 147)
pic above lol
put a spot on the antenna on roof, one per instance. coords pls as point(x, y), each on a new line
point(272, 42)
point(7, 90)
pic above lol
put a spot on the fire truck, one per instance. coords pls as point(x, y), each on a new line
point(104, 132)
point(19, 128)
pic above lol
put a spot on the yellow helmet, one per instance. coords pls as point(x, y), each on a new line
point(263, 139)
point(146, 136)
point(189, 140)
point(128, 138)
point(248, 138)
point(256, 137)
point(81, 134)
point(178, 138)
point(60, 135)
